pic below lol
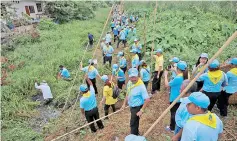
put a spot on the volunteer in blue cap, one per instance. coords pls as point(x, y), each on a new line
point(145, 73)
point(175, 86)
point(122, 61)
point(137, 46)
point(92, 73)
point(230, 89)
point(137, 98)
point(182, 114)
point(88, 105)
point(115, 32)
point(159, 63)
point(122, 38)
point(202, 60)
point(203, 125)
point(112, 24)
point(108, 95)
point(119, 75)
point(135, 59)
point(173, 67)
point(213, 81)
point(108, 53)
point(108, 38)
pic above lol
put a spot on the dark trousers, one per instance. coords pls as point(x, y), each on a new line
point(106, 108)
point(112, 28)
point(199, 85)
point(115, 37)
point(124, 42)
point(146, 83)
point(120, 84)
point(134, 121)
point(172, 116)
point(213, 96)
point(91, 116)
point(124, 69)
point(94, 85)
point(140, 56)
point(47, 101)
point(223, 102)
point(108, 58)
point(91, 42)
point(156, 82)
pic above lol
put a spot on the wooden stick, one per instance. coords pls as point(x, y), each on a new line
point(234, 35)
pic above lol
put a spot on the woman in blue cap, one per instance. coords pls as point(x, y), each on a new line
point(138, 47)
point(202, 60)
point(135, 59)
point(175, 87)
point(88, 105)
point(119, 75)
point(122, 61)
point(230, 89)
point(144, 73)
point(108, 95)
point(213, 81)
point(173, 67)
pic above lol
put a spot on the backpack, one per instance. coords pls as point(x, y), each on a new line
point(116, 92)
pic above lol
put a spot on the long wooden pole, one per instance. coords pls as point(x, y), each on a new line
point(191, 83)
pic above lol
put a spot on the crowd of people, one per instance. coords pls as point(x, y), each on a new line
point(191, 117)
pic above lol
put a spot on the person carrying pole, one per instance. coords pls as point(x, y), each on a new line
point(108, 53)
point(137, 99)
point(145, 73)
point(108, 95)
point(138, 47)
point(135, 59)
point(119, 75)
point(122, 61)
point(88, 105)
point(158, 71)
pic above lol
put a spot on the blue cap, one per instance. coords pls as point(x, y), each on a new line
point(104, 78)
point(83, 88)
point(90, 61)
point(204, 55)
point(214, 64)
point(159, 50)
point(133, 50)
point(120, 54)
point(132, 72)
point(175, 60)
point(115, 66)
point(233, 61)
point(199, 99)
point(182, 65)
point(141, 62)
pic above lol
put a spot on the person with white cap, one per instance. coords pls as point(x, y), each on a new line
point(213, 82)
point(231, 88)
point(108, 53)
point(138, 47)
point(122, 38)
point(92, 73)
point(46, 91)
point(135, 59)
point(119, 75)
point(202, 60)
point(173, 67)
point(108, 38)
point(88, 105)
point(203, 125)
point(175, 86)
point(137, 98)
point(158, 70)
point(108, 95)
point(122, 61)
point(145, 73)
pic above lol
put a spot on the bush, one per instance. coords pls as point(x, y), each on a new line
point(46, 24)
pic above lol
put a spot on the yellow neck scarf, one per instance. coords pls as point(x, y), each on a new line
point(199, 68)
point(215, 76)
point(91, 68)
point(234, 71)
point(181, 74)
point(139, 82)
point(134, 57)
point(87, 94)
point(208, 119)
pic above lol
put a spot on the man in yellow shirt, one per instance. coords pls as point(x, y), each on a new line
point(158, 71)
point(108, 95)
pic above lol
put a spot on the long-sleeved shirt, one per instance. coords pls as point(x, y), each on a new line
point(44, 87)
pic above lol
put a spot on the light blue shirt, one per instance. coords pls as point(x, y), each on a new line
point(91, 74)
point(137, 95)
point(119, 73)
point(108, 38)
point(232, 83)
point(145, 74)
point(196, 131)
point(175, 86)
point(115, 31)
point(108, 51)
point(138, 48)
point(122, 35)
point(182, 114)
point(65, 73)
point(135, 62)
point(122, 62)
point(208, 86)
point(88, 103)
